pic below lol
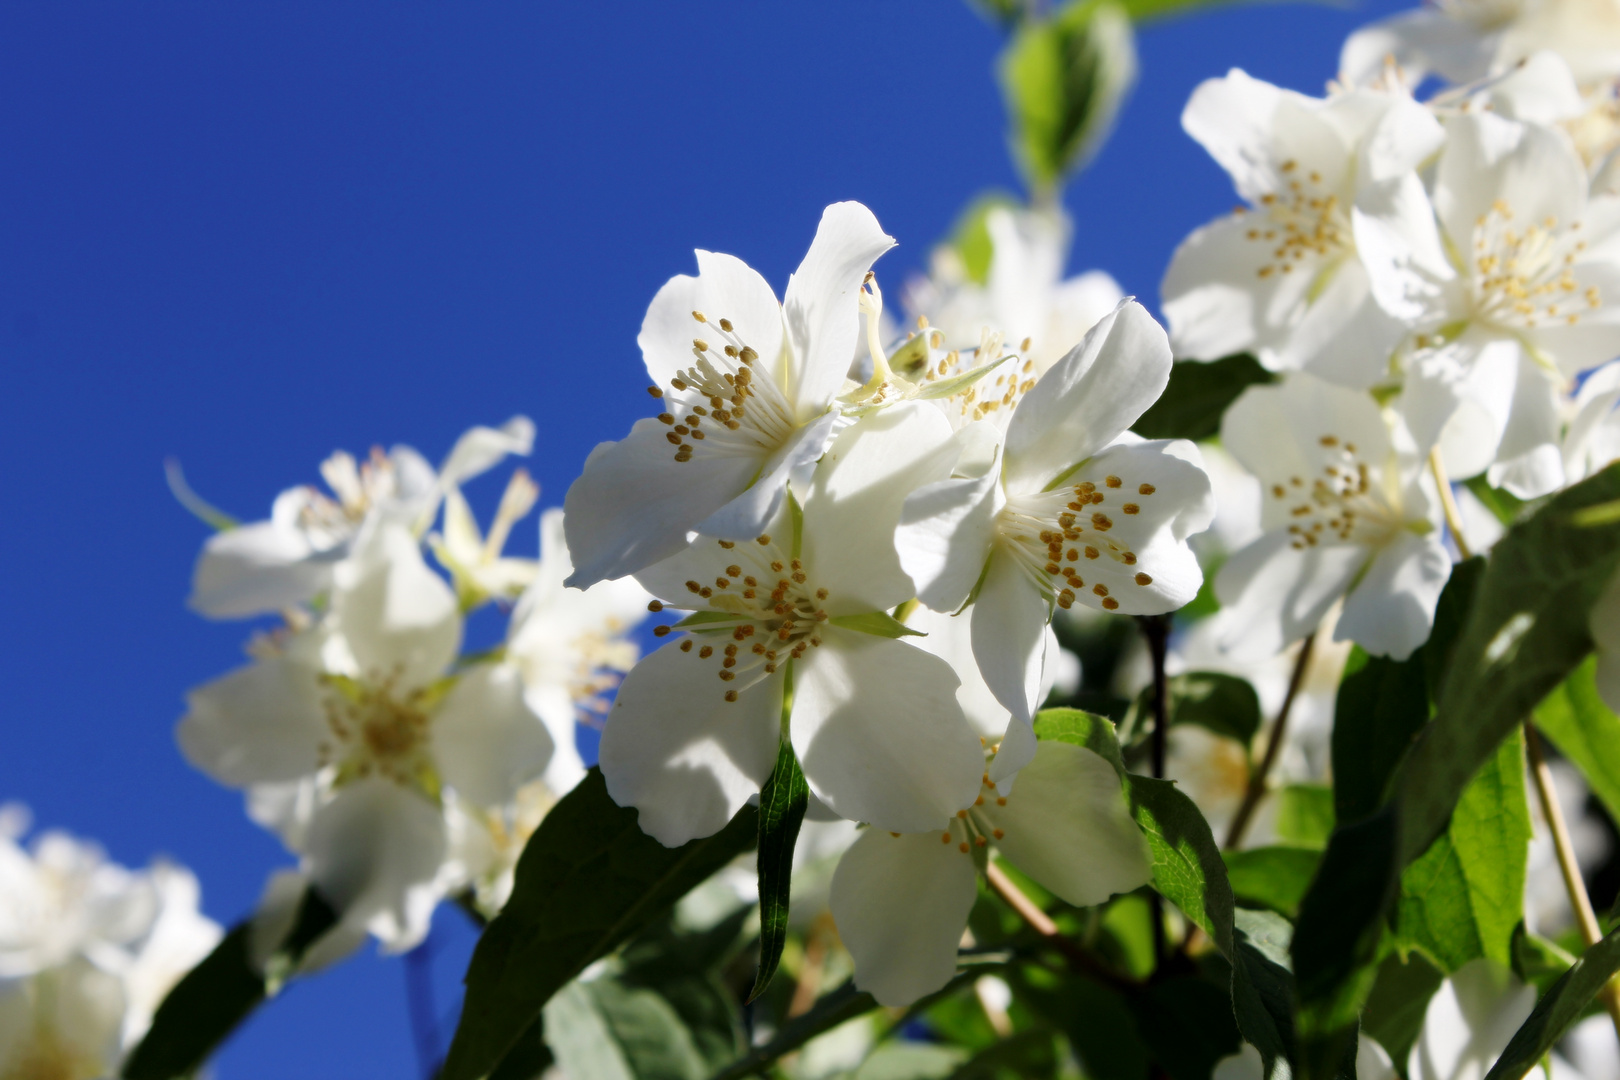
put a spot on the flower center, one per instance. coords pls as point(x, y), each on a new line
point(1054, 534)
point(746, 412)
point(1301, 221)
point(1522, 277)
point(48, 1059)
point(1341, 505)
point(378, 732)
point(970, 827)
point(760, 609)
point(358, 488)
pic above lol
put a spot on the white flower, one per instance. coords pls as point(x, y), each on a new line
point(477, 567)
point(345, 733)
point(88, 949)
point(696, 726)
point(1282, 279)
point(1070, 511)
point(748, 387)
point(901, 901)
point(287, 560)
point(1465, 40)
point(1026, 299)
point(1509, 284)
point(1349, 512)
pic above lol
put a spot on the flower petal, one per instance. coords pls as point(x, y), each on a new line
point(486, 741)
point(854, 503)
point(374, 852)
point(725, 288)
point(747, 516)
point(264, 566)
point(822, 303)
point(1009, 626)
point(681, 754)
point(399, 619)
point(258, 724)
point(1273, 594)
point(634, 503)
point(482, 448)
point(1088, 398)
point(879, 733)
point(901, 904)
point(1067, 826)
point(1391, 610)
point(945, 532)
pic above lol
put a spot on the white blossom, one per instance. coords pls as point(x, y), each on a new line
point(747, 385)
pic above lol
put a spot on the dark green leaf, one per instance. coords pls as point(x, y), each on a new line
point(220, 992)
point(588, 879)
point(1097, 1019)
point(1199, 1013)
point(529, 1058)
point(1272, 877)
point(1188, 871)
point(782, 802)
point(1064, 78)
point(1222, 703)
point(1305, 815)
point(1586, 732)
point(1027, 1054)
point(1399, 999)
point(1559, 1008)
point(1198, 395)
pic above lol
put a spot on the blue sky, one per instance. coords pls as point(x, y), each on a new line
point(248, 235)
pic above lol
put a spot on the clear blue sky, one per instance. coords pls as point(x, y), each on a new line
point(247, 235)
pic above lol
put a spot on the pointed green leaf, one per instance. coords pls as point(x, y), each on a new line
point(782, 803)
point(588, 879)
point(879, 623)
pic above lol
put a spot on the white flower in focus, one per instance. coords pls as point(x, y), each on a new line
point(571, 647)
point(1066, 508)
point(1349, 512)
point(478, 569)
point(1282, 278)
point(696, 726)
point(747, 385)
point(1510, 286)
point(901, 901)
point(345, 734)
point(287, 560)
point(1026, 298)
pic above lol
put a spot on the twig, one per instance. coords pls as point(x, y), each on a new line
point(808, 987)
point(1042, 924)
point(1448, 502)
point(1156, 628)
point(1256, 789)
point(1591, 932)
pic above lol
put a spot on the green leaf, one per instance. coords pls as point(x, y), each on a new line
point(1505, 506)
point(1538, 961)
point(1198, 395)
point(1525, 633)
point(905, 1060)
point(1432, 914)
point(1081, 728)
point(1063, 79)
point(220, 992)
point(588, 879)
point(1028, 1053)
point(1558, 1009)
point(782, 802)
point(1222, 703)
point(1399, 999)
point(1188, 871)
point(1272, 877)
point(1199, 1012)
point(970, 236)
point(879, 623)
point(1305, 815)
point(1586, 732)
point(1097, 1020)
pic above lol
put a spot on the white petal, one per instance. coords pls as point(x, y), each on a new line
point(747, 516)
point(255, 568)
point(1481, 388)
point(1405, 135)
point(1418, 41)
point(879, 734)
point(482, 448)
point(1273, 594)
point(1399, 243)
point(1469, 1022)
point(554, 705)
point(260, 723)
point(822, 303)
point(398, 618)
point(854, 503)
point(901, 904)
point(1089, 397)
point(1533, 169)
point(634, 503)
point(725, 288)
point(374, 852)
point(1009, 635)
point(1067, 826)
point(1391, 609)
point(1234, 119)
point(1344, 337)
point(486, 741)
point(681, 754)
